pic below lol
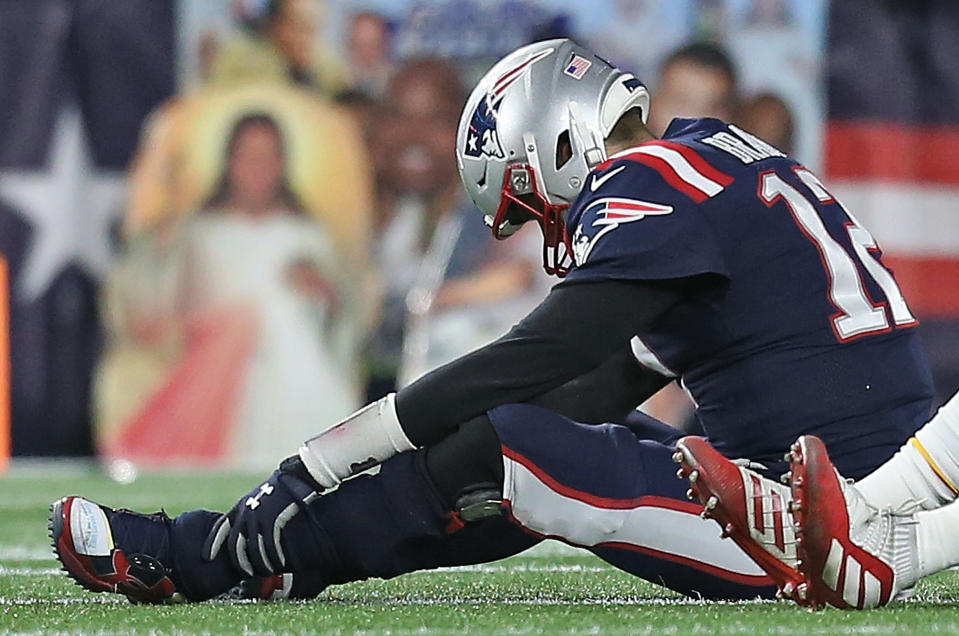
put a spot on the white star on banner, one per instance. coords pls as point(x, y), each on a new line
point(69, 205)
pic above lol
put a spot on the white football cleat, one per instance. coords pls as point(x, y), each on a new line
point(851, 554)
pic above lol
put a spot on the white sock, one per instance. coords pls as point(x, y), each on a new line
point(925, 469)
point(936, 539)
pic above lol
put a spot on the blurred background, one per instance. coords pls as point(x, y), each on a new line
point(225, 224)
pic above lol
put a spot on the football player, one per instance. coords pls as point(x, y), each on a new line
point(707, 257)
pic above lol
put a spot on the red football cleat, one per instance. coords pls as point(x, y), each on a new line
point(83, 535)
point(852, 555)
point(752, 510)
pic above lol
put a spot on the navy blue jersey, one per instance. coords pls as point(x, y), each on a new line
point(807, 332)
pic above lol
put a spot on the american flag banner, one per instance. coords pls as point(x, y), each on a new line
point(78, 78)
point(892, 151)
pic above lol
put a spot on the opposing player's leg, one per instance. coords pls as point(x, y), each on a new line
point(926, 468)
point(753, 510)
point(602, 488)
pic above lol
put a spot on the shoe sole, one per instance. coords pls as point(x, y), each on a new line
point(688, 453)
point(63, 548)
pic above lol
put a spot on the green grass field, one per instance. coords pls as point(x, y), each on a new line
point(552, 589)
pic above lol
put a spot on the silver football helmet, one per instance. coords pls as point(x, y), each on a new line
point(533, 129)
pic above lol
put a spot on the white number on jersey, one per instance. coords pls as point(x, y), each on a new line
point(857, 314)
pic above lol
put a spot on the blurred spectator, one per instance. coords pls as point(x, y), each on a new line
point(475, 33)
point(176, 164)
point(368, 53)
point(637, 34)
point(777, 53)
point(449, 286)
point(697, 80)
point(254, 311)
point(278, 43)
point(253, 243)
point(711, 20)
point(767, 116)
point(206, 52)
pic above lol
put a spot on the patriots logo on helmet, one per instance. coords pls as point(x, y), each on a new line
point(482, 136)
point(607, 214)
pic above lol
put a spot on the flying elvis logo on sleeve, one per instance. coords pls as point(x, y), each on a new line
point(607, 214)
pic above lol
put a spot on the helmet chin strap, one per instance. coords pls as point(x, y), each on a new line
point(586, 137)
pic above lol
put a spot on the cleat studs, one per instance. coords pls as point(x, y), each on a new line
point(690, 494)
point(788, 457)
point(712, 502)
point(788, 589)
point(678, 457)
point(785, 477)
point(795, 505)
point(728, 530)
point(679, 473)
point(797, 482)
point(693, 476)
point(802, 591)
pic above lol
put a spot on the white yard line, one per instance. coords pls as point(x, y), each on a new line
point(5, 571)
point(519, 567)
point(21, 553)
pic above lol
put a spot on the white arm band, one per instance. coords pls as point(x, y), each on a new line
point(368, 437)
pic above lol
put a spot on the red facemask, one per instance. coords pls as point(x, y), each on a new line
point(520, 201)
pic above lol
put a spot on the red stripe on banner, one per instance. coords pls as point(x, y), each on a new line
point(190, 418)
point(697, 162)
point(930, 284)
point(595, 500)
point(895, 152)
point(735, 577)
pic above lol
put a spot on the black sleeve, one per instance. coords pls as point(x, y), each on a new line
point(608, 393)
point(578, 327)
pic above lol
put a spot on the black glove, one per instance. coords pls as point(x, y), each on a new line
point(252, 530)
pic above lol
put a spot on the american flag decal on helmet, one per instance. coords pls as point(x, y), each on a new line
point(577, 67)
point(605, 215)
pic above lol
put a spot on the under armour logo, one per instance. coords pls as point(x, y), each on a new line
point(254, 502)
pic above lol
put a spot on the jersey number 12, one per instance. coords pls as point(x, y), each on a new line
point(857, 314)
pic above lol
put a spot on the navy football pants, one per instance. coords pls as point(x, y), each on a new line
point(606, 488)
